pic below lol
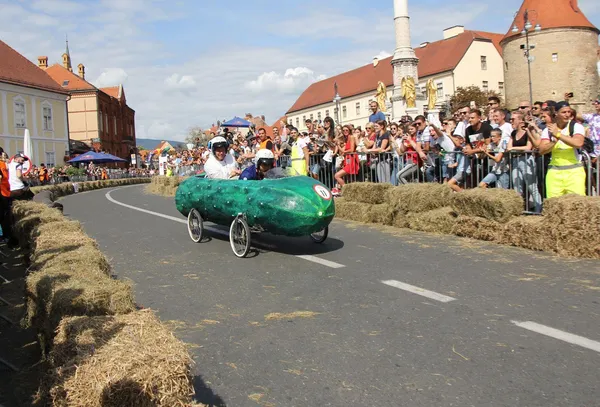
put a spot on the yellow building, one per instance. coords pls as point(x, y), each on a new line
point(462, 58)
point(30, 99)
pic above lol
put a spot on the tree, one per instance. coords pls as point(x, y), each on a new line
point(195, 135)
point(464, 96)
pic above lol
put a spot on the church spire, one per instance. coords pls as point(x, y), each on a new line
point(67, 56)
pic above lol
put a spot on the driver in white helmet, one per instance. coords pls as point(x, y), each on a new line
point(220, 164)
point(265, 161)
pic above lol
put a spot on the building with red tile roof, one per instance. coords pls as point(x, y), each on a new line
point(564, 58)
point(31, 100)
point(99, 117)
point(461, 58)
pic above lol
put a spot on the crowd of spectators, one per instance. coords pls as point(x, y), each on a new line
point(542, 150)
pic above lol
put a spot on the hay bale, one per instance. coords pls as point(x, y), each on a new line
point(379, 213)
point(58, 291)
point(440, 220)
point(351, 210)
point(573, 210)
point(417, 198)
point(35, 217)
point(477, 228)
point(492, 203)
point(400, 220)
point(365, 192)
point(125, 360)
point(573, 222)
point(529, 232)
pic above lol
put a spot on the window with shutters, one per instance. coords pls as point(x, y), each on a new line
point(20, 112)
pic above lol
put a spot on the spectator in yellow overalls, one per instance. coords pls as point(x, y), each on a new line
point(566, 174)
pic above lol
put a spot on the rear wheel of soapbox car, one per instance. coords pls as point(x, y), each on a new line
point(195, 225)
point(239, 236)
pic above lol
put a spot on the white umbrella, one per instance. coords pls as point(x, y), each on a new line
point(27, 146)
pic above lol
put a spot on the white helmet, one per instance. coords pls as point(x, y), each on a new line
point(217, 142)
point(265, 156)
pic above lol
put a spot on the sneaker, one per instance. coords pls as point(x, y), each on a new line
point(335, 192)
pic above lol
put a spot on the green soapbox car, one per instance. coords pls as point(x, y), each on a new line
point(283, 203)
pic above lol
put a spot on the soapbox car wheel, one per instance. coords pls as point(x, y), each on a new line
point(320, 236)
point(195, 225)
point(239, 236)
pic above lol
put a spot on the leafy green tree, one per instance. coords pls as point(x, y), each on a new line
point(465, 95)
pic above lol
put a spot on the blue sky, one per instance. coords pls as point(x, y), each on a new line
point(188, 63)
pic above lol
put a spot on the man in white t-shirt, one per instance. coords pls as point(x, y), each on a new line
point(463, 122)
point(15, 173)
point(499, 118)
point(18, 188)
point(220, 165)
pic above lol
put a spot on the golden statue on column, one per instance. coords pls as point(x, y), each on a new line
point(431, 94)
point(409, 91)
point(381, 95)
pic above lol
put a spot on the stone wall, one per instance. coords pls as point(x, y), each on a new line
point(574, 71)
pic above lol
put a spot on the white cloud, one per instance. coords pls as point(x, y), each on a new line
point(382, 55)
point(293, 80)
point(179, 82)
point(111, 77)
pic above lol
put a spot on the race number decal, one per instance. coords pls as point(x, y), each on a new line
point(322, 192)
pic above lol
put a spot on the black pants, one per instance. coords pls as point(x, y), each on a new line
point(6, 217)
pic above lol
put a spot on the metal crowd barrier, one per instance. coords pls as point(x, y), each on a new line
point(525, 171)
point(58, 179)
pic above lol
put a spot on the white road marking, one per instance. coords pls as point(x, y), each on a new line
point(419, 291)
point(324, 262)
point(313, 259)
point(560, 335)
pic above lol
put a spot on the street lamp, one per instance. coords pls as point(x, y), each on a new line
point(337, 100)
point(527, 26)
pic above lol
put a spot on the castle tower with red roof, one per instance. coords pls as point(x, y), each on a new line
point(564, 58)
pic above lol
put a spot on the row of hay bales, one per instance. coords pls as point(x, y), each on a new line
point(99, 347)
point(68, 188)
point(164, 186)
point(568, 226)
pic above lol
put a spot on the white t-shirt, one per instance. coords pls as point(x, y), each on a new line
point(578, 129)
point(447, 145)
point(300, 144)
point(219, 169)
point(506, 131)
point(460, 129)
point(13, 180)
point(424, 136)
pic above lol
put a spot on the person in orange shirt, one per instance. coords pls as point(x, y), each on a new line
point(104, 174)
point(5, 200)
point(43, 174)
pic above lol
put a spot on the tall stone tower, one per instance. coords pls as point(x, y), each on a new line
point(564, 57)
point(405, 60)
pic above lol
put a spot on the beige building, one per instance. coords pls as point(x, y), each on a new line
point(98, 117)
point(30, 99)
point(463, 58)
point(564, 58)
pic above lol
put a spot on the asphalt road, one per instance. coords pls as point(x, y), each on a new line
point(456, 323)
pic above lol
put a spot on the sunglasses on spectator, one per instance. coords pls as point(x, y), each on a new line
point(493, 103)
point(523, 107)
point(445, 123)
point(464, 112)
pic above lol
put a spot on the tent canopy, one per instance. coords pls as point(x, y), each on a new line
point(236, 122)
point(97, 158)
